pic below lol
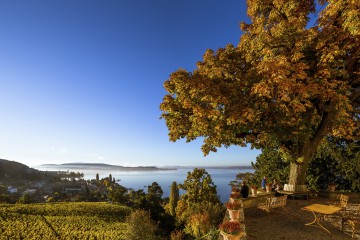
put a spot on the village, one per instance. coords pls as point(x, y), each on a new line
point(53, 186)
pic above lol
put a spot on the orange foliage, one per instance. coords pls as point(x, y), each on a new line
point(286, 84)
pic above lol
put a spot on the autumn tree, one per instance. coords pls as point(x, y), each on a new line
point(140, 226)
point(154, 191)
point(286, 85)
point(199, 188)
point(173, 198)
point(119, 194)
point(199, 209)
point(154, 201)
point(25, 199)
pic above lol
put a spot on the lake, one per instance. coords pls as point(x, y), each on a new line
point(141, 179)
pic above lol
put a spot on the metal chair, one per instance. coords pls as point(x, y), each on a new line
point(343, 202)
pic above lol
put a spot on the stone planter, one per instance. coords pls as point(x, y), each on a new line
point(254, 191)
point(234, 214)
point(268, 188)
point(234, 200)
point(332, 187)
point(227, 236)
point(235, 191)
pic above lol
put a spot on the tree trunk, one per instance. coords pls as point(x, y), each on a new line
point(297, 178)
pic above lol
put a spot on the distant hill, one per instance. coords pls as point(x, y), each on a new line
point(217, 167)
point(101, 166)
point(104, 166)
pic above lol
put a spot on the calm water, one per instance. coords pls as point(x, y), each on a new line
point(141, 179)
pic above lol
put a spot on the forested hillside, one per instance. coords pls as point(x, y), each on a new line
point(15, 170)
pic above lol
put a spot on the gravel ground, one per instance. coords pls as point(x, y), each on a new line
point(289, 223)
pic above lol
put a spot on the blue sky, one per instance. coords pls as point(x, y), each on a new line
point(82, 81)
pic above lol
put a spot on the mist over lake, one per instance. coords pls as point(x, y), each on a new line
point(141, 179)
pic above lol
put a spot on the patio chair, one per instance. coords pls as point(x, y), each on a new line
point(273, 202)
point(342, 202)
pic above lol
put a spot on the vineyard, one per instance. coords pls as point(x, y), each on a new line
point(63, 221)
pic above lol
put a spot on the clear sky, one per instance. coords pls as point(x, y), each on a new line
point(82, 80)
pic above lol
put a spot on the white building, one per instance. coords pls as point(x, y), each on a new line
point(12, 189)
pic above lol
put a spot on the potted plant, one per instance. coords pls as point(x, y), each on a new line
point(234, 210)
point(233, 206)
point(332, 187)
point(268, 187)
point(235, 189)
point(230, 230)
point(234, 183)
point(254, 190)
point(234, 197)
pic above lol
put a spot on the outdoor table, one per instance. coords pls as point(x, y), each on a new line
point(318, 209)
